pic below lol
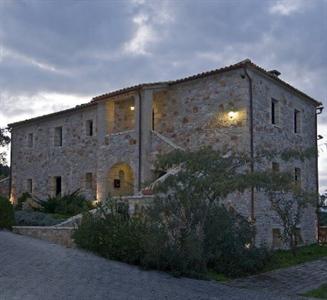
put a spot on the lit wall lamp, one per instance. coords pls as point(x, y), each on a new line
point(132, 107)
point(232, 115)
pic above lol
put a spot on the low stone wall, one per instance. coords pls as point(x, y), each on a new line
point(57, 235)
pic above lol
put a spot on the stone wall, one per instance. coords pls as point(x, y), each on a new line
point(43, 161)
point(57, 235)
point(280, 137)
point(196, 113)
point(4, 187)
point(212, 110)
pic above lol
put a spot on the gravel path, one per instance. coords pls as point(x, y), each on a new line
point(32, 269)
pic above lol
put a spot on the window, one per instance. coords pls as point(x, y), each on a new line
point(297, 121)
point(58, 187)
point(30, 140)
point(298, 237)
point(89, 127)
point(58, 136)
point(297, 176)
point(274, 112)
point(275, 167)
point(30, 186)
point(277, 241)
point(88, 180)
point(116, 183)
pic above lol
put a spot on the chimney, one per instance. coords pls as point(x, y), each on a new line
point(274, 73)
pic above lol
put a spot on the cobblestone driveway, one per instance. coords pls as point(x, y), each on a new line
point(32, 269)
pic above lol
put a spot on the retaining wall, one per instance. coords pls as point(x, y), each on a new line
point(57, 235)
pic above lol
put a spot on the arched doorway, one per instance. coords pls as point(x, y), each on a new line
point(121, 180)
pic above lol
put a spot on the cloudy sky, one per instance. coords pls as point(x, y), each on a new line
point(56, 54)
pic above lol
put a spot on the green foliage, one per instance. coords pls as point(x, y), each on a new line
point(4, 171)
point(4, 141)
point(112, 233)
point(7, 218)
point(69, 204)
point(21, 200)
point(187, 230)
point(320, 292)
point(285, 258)
point(36, 218)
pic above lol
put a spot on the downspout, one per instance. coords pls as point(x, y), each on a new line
point(140, 142)
point(318, 112)
point(10, 172)
point(251, 138)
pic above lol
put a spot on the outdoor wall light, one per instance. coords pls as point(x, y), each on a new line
point(132, 107)
point(232, 115)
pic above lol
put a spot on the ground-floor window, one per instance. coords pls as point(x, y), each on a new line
point(30, 186)
point(276, 238)
point(58, 185)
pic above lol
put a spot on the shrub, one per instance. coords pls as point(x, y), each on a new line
point(185, 238)
point(21, 200)
point(228, 244)
point(7, 219)
point(36, 218)
point(112, 233)
point(69, 204)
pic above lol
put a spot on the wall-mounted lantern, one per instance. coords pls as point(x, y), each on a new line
point(132, 107)
point(232, 115)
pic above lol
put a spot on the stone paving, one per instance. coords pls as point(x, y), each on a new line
point(288, 281)
point(32, 269)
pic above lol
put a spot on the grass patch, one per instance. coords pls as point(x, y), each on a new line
point(320, 292)
point(283, 259)
point(212, 275)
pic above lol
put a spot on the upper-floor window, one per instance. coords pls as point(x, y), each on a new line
point(274, 112)
point(297, 121)
point(30, 140)
point(89, 127)
point(88, 181)
point(58, 136)
point(297, 176)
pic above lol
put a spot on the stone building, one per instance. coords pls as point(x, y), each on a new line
point(109, 144)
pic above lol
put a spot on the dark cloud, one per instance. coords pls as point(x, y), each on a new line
point(84, 48)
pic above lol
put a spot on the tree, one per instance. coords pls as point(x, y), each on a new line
point(4, 141)
point(210, 176)
point(289, 204)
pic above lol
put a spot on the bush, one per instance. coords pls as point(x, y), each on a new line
point(21, 200)
point(7, 219)
point(112, 233)
point(185, 238)
point(228, 244)
point(69, 204)
point(36, 218)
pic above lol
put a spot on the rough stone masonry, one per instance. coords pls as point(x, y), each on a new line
point(109, 144)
